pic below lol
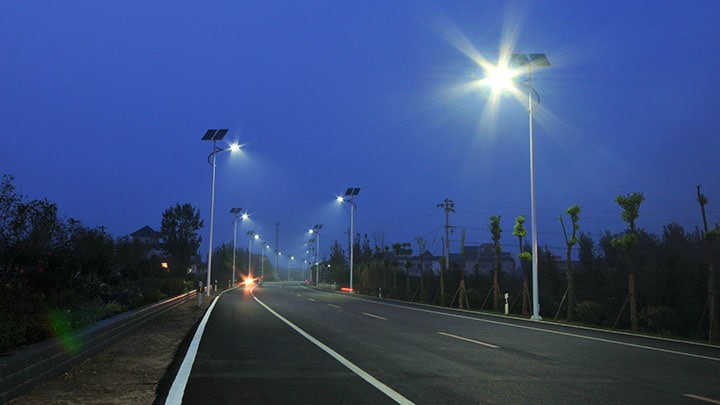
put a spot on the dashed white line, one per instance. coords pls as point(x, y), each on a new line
point(477, 342)
point(394, 395)
point(312, 299)
point(374, 316)
point(334, 306)
point(555, 332)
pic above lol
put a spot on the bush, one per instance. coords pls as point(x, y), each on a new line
point(12, 332)
point(589, 312)
point(658, 319)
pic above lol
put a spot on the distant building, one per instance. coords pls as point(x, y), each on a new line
point(151, 238)
point(480, 258)
point(146, 235)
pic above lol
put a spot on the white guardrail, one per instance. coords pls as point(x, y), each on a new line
point(30, 366)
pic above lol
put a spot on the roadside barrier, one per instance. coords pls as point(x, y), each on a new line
point(30, 366)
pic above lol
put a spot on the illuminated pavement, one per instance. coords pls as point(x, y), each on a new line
point(420, 354)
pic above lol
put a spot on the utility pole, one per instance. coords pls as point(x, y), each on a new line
point(277, 247)
point(449, 206)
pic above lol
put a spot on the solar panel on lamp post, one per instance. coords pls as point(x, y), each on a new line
point(214, 135)
point(350, 194)
point(530, 60)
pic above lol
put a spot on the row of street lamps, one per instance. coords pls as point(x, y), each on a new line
point(501, 78)
point(215, 135)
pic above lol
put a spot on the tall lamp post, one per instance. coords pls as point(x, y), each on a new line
point(237, 212)
point(214, 135)
point(251, 235)
point(316, 230)
point(312, 249)
point(522, 61)
point(531, 60)
point(350, 198)
point(265, 246)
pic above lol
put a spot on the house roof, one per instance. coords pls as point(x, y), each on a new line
point(145, 232)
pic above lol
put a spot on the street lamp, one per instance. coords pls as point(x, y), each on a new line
point(312, 250)
point(350, 198)
point(502, 78)
point(237, 215)
point(316, 230)
point(214, 135)
point(262, 261)
point(251, 235)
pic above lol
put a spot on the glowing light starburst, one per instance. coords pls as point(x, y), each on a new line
point(494, 78)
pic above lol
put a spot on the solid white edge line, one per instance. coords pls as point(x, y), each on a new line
point(699, 398)
point(477, 342)
point(394, 395)
point(657, 349)
point(177, 390)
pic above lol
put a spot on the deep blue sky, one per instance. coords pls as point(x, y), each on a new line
point(103, 105)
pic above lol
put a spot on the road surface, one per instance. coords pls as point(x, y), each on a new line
point(288, 343)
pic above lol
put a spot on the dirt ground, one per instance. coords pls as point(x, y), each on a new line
point(127, 372)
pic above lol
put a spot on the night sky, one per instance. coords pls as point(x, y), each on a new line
point(104, 103)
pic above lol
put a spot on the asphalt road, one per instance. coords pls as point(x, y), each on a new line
point(288, 343)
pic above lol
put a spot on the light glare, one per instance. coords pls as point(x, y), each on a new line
point(500, 78)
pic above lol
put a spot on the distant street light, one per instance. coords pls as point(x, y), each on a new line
point(316, 230)
point(350, 198)
point(265, 246)
point(214, 135)
point(251, 235)
point(237, 215)
point(503, 78)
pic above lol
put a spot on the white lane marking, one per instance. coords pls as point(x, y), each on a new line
point(394, 395)
point(374, 316)
point(699, 398)
point(312, 299)
point(698, 356)
point(334, 306)
point(177, 390)
point(477, 342)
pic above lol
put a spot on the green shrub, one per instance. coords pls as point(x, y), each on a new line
point(589, 312)
point(658, 319)
point(12, 332)
point(113, 308)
